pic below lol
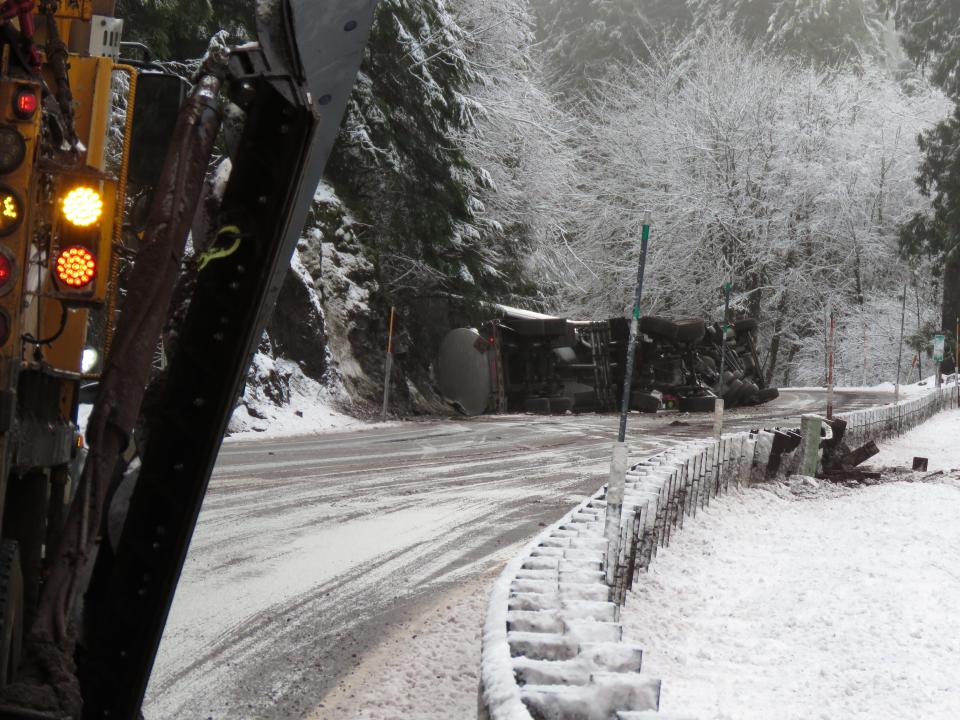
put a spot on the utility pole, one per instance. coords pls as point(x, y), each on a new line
point(618, 463)
point(388, 368)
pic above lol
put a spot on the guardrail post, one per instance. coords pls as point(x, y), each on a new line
point(810, 444)
point(618, 474)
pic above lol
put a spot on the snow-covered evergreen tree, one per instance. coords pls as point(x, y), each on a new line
point(398, 164)
point(181, 29)
point(826, 31)
point(929, 36)
point(585, 39)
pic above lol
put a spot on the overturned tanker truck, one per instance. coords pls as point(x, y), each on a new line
point(527, 362)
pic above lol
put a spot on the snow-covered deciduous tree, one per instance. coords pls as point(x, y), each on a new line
point(787, 180)
point(523, 146)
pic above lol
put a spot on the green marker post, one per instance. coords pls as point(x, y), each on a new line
point(618, 463)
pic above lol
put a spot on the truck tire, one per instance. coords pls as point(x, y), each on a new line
point(658, 327)
point(732, 389)
point(11, 610)
point(697, 403)
point(690, 331)
point(585, 401)
point(751, 393)
point(768, 394)
point(560, 405)
point(537, 406)
point(643, 402)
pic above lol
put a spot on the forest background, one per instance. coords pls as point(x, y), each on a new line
point(506, 151)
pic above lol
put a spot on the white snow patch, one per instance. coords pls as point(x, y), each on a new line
point(427, 669)
point(310, 407)
point(833, 604)
point(932, 440)
point(906, 390)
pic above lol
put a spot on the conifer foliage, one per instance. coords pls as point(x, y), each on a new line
point(929, 35)
point(828, 31)
point(399, 165)
point(586, 39)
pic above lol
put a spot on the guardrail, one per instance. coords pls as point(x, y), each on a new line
point(552, 645)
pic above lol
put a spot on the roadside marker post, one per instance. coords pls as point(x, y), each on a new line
point(718, 418)
point(388, 367)
point(903, 319)
point(618, 463)
point(831, 334)
point(939, 342)
point(810, 444)
point(724, 327)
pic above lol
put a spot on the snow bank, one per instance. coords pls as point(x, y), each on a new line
point(930, 440)
point(281, 401)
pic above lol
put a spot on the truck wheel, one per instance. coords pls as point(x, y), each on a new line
point(11, 610)
point(537, 406)
point(559, 406)
point(732, 390)
point(768, 394)
point(699, 403)
point(751, 394)
point(643, 402)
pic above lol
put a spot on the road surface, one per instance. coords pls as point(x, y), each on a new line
point(310, 550)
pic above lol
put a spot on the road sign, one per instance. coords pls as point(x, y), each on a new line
point(938, 342)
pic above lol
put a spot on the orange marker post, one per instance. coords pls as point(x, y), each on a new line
point(388, 368)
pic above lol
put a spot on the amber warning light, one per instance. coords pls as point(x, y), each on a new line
point(82, 206)
point(76, 267)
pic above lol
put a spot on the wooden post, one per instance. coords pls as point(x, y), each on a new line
point(388, 368)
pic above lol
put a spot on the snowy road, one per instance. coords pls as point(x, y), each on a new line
point(311, 551)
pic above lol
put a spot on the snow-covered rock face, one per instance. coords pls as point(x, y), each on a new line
point(307, 354)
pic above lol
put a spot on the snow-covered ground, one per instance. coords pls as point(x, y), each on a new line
point(814, 601)
point(906, 389)
point(427, 669)
point(293, 405)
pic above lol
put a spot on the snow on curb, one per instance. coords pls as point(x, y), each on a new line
point(551, 640)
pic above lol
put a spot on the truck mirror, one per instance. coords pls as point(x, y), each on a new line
point(159, 97)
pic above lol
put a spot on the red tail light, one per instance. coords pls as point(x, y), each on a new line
point(25, 103)
point(6, 270)
point(76, 266)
